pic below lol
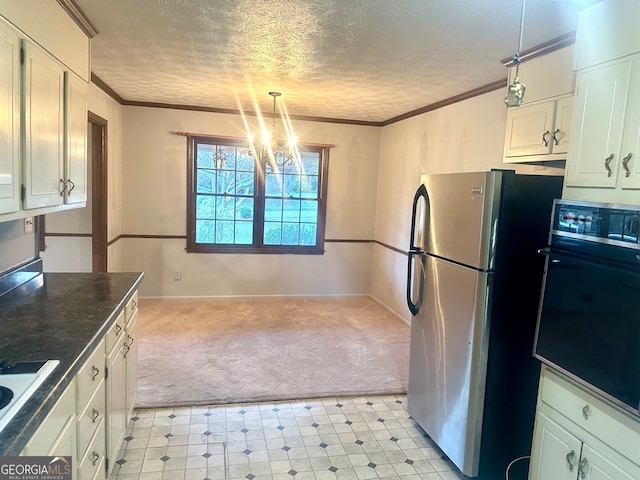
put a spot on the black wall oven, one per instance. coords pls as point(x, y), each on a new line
point(589, 317)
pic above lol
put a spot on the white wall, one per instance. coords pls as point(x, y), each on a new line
point(463, 137)
point(154, 195)
point(16, 247)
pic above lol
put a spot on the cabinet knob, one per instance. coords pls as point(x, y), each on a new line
point(625, 165)
point(546, 137)
point(586, 411)
point(570, 458)
point(607, 162)
point(96, 372)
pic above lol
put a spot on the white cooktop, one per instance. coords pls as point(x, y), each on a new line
point(23, 386)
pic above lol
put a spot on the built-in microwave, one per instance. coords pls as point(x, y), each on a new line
point(589, 317)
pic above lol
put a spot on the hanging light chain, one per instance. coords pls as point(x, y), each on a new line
point(516, 56)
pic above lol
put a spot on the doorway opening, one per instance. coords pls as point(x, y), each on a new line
point(98, 158)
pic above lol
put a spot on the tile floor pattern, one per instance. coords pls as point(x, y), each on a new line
point(355, 438)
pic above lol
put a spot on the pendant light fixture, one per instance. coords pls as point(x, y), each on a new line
point(515, 91)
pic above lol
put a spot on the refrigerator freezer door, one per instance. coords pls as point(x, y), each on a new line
point(460, 221)
point(448, 357)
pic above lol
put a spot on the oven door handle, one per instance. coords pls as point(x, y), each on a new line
point(589, 261)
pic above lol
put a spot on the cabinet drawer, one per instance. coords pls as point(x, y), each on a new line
point(58, 418)
point(90, 375)
point(89, 419)
point(613, 427)
point(93, 458)
point(132, 306)
point(115, 334)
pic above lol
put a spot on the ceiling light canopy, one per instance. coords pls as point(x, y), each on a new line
point(515, 91)
point(271, 151)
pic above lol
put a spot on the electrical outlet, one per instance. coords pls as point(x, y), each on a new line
point(28, 224)
point(177, 275)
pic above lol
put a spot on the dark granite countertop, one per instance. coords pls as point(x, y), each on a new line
point(59, 316)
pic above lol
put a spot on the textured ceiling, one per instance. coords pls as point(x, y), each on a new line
point(367, 60)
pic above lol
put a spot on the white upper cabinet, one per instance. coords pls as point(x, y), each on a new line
point(75, 148)
point(9, 120)
point(44, 129)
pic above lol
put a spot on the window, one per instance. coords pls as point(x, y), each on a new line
point(237, 205)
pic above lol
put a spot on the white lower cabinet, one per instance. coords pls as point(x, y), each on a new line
point(578, 436)
point(89, 420)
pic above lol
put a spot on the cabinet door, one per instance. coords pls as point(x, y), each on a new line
point(75, 148)
point(44, 128)
point(595, 466)
point(630, 169)
point(116, 385)
point(529, 129)
point(596, 127)
point(9, 120)
point(562, 126)
point(132, 363)
point(555, 452)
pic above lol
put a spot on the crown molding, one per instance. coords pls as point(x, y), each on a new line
point(78, 16)
point(543, 49)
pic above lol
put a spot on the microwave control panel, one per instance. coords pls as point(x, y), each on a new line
point(599, 221)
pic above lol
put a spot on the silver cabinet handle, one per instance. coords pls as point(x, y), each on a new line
point(73, 185)
point(134, 304)
point(546, 137)
point(62, 183)
point(556, 137)
point(607, 162)
point(94, 415)
point(625, 165)
point(96, 371)
point(118, 329)
point(582, 467)
point(570, 458)
point(586, 411)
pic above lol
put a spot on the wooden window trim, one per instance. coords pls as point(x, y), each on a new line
point(193, 247)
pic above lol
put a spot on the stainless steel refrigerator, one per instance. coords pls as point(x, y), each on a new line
point(473, 287)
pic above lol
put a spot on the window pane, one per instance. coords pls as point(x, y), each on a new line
point(245, 162)
point(292, 167)
point(225, 208)
point(224, 232)
point(205, 206)
point(307, 234)
point(311, 163)
point(292, 186)
point(291, 211)
point(206, 181)
point(204, 156)
point(309, 211)
point(205, 231)
point(244, 208)
point(244, 183)
point(290, 233)
point(226, 158)
point(273, 209)
point(244, 233)
point(274, 185)
point(272, 232)
point(309, 187)
point(226, 182)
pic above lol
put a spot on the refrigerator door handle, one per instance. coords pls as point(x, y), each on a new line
point(421, 192)
point(414, 306)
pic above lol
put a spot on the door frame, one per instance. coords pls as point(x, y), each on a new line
point(98, 143)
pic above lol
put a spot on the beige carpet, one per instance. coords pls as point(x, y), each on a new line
point(240, 351)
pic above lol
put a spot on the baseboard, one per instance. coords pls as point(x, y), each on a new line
point(250, 297)
point(390, 310)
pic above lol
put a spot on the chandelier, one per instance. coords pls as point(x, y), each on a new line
point(271, 152)
point(515, 91)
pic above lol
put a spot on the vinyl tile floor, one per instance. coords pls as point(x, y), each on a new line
point(351, 438)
